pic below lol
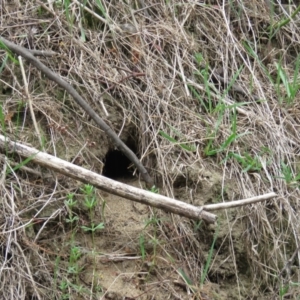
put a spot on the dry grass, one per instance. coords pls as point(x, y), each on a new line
point(138, 70)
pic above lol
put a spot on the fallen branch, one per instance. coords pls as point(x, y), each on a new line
point(79, 100)
point(124, 190)
point(106, 184)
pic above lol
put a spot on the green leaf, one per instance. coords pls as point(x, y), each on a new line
point(9, 53)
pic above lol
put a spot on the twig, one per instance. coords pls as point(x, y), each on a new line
point(43, 53)
point(79, 100)
point(3, 173)
point(30, 102)
point(237, 203)
point(182, 75)
point(117, 258)
point(103, 107)
point(28, 270)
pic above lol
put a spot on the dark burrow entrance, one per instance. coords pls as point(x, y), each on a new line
point(117, 165)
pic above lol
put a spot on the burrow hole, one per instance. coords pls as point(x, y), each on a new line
point(117, 165)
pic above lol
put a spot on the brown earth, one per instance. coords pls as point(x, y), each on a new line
point(198, 92)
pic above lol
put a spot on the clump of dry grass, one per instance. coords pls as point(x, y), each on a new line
point(137, 66)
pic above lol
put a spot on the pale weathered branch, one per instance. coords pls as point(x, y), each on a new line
point(106, 184)
point(124, 190)
point(237, 203)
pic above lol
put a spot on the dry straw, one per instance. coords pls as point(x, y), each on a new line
point(203, 91)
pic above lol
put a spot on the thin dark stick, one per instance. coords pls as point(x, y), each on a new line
point(79, 100)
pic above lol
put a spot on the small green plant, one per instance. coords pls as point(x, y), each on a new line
point(72, 218)
point(248, 162)
point(153, 241)
point(101, 7)
point(291, 87)
point(204, 272)
point(64, 288)
point(93, 227)
point(73, 267)
point(183, 145)
point(69, 16)
point(288, 175)
point(285, 288)
point(70, 202)
point(90, 201)
point(274, 28)
point(249, 48)
point(80, 289)
point(9, 54)
point(142, 246)
point(75, 254)
point(282, 291)
point(203, 74)
point(2, 119)
point(187, 280)
point(154, 189)
point(210, 148)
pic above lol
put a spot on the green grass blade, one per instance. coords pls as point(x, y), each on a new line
point(284, 79)
point(101, 7)
point(252, 53)
point(9, 53)
point(4, 63)
point(21, 164)
point(186, 279)
point(210, 254)
point(285, 21)
point(190, 148)
point(142, 246)
point(232, 81)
